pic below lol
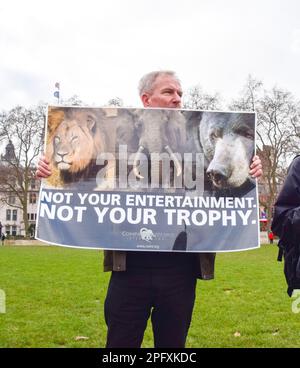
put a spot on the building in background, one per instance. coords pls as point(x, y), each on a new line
point(11, 212)
point(268, 187)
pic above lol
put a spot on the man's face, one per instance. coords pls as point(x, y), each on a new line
point(166, 92)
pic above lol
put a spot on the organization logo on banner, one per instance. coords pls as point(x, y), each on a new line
point(147, 234)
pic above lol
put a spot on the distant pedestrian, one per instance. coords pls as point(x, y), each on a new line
point(2, 238)
point(271, 237)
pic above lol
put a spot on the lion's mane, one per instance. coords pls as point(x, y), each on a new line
point(74, 144)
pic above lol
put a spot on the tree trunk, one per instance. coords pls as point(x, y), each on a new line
point(25, 218)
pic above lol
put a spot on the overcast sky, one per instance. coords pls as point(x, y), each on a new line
point(99, 49)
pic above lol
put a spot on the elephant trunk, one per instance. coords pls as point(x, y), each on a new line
point(168, 150)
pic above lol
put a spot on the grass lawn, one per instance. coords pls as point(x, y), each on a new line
point(55, 295)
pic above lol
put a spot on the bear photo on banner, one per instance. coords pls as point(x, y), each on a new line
point(149, 179)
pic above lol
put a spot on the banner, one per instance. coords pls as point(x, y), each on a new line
point(149, 179)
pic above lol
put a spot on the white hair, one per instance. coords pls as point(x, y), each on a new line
point(147, 81)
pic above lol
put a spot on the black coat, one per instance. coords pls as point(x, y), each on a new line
point(286, 224)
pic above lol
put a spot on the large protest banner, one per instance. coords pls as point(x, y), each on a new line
point(149, 179)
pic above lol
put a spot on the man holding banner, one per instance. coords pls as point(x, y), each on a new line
point(157, 284)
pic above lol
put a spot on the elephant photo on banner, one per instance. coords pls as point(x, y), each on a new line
point(149, 179)
point(156, 132)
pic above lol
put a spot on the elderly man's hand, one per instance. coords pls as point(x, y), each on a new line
point(256, 168)
point(43, 169)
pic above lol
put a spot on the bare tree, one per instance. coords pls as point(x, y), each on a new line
point(74, 100)
point(249, 97)
point(116, 101)
point(277, 111)
point(196, 99)
point(24, 129)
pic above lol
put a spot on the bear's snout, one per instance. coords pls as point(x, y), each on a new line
point(219, 175)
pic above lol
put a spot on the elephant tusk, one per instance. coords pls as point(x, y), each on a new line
point(136, 158)
point(175, 159)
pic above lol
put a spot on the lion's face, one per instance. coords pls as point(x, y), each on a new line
point(73, 144)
